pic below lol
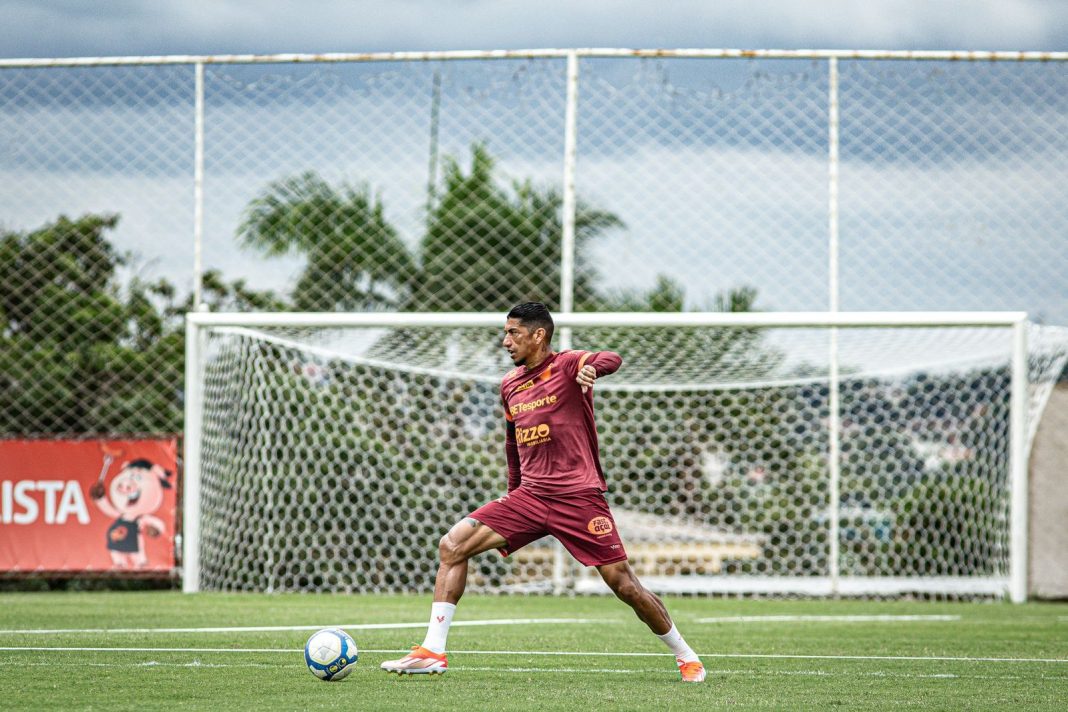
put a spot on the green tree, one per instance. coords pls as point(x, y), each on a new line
point(77, 354)
point(355, 260)
point(487, 247)
point(81, 352)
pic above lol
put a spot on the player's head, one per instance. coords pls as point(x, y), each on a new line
point(528, 331)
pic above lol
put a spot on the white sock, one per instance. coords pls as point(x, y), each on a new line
point(438, 631)
point(673, 639)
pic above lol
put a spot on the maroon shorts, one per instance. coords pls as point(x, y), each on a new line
point(581, 521)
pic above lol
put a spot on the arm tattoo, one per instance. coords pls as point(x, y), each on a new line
point(473, 522)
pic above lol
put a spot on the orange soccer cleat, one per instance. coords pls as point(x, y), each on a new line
point(418, 662)
point(691, 672)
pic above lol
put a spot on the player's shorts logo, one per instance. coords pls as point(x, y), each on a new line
point(600, 526)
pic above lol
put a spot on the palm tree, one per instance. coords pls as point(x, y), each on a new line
point(488, 247)
point(355, 259)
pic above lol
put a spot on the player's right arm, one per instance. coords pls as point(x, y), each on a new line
point(511, 448)
point(511, 451)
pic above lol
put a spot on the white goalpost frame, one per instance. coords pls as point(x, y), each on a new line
point(197, 324)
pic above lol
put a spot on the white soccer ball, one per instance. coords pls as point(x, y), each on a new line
point(330, 654)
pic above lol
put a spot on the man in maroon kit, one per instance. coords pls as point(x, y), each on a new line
point(555, 486)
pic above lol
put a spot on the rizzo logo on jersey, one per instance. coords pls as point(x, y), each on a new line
point(600, 526)
point(534, 435)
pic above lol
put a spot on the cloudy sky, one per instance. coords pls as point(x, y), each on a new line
point(66, 28)
point(988, 231)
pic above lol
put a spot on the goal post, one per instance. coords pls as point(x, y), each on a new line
point(815, 453)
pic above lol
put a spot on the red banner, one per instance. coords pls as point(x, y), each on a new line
point(88, 505)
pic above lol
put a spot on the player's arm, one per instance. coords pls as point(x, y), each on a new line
point(592, 366)
point(511, 451)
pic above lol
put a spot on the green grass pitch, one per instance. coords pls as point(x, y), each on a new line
point(157, 651)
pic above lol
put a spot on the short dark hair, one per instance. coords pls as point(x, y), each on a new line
point(534, 315)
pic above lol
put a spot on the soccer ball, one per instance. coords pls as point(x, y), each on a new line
point(330, 654)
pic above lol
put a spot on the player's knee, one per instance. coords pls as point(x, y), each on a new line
point(449, 552)
point(626, 588)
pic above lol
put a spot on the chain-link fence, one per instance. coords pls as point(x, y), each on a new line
point(444, 182)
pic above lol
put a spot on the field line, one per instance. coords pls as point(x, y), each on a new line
point(775, 656)
point(755, 656)
point(664, 670)
point(284, 628)
point(828, 619)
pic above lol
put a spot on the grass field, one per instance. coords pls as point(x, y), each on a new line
point(158, 650)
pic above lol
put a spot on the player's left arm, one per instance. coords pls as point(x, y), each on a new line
point(594, 365)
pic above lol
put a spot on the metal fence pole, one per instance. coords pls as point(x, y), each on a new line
point(834, 416)
point(567, 255)
point(198, 188)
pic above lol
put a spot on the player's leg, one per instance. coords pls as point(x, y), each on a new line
point(585, 526)
point(508, 524)
point(467, 538)
point(621, 578)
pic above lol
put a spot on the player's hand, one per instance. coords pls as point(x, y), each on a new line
point(586, 376)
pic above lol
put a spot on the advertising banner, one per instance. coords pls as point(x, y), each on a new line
point(88, 506)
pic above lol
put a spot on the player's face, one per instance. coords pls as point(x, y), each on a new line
point(520, 342)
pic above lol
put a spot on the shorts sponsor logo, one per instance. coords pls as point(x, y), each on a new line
point(600, 526)
point(531, 405)
point(534, 435)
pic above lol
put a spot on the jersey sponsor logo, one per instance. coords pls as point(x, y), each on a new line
point(531, 405)
point(534, 435)
point(543, 376)
point(600, 526)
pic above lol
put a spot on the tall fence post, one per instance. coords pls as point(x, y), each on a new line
point(198, 186)
point(834, 404)
point(567, 253)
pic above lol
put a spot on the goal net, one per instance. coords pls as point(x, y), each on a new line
point(873, 454)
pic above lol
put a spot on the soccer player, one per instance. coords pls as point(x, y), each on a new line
point(555, 486)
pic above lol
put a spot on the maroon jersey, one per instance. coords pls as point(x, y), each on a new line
point(553, 447)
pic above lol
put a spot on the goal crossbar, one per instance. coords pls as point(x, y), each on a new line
point(622, 319)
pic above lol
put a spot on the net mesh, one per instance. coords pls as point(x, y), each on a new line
point(334, 460)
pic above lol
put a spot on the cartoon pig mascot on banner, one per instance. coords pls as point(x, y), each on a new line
point(135, 493)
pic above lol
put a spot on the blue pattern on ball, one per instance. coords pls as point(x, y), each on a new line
point(340, 665)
